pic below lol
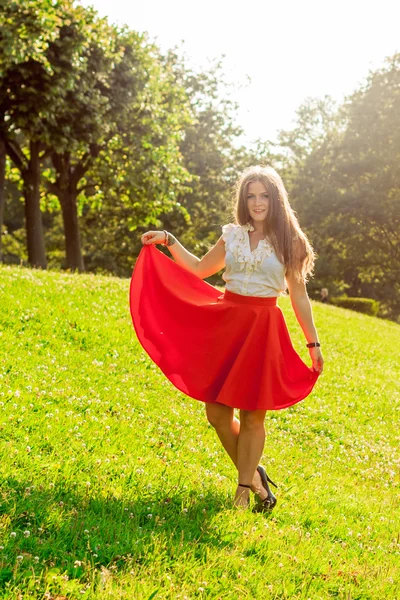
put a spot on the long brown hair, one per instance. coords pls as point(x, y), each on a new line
point(281, 225)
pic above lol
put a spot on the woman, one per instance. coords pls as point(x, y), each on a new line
point(233, 350)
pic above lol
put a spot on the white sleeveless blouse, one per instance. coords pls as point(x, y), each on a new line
point(251, 272)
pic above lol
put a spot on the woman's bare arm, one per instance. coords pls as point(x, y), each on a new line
point(302, 309)
point(211, 263)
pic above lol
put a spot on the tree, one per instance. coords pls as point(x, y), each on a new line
point(139, 175)
point(81, 123)
point(369, 180)
point(31, 87)
point(345, 186)
point(109, 113)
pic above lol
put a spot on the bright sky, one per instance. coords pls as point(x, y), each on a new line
point(291, 49)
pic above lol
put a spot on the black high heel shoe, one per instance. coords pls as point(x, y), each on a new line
point(270, 501)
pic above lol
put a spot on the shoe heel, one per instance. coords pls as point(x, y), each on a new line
point(270, 501)
point(270, 481)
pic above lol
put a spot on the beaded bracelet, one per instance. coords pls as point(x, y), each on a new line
point(313, 344)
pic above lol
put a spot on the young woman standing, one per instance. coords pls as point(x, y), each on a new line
point(233, 350)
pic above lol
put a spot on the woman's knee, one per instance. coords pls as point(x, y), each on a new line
point(252, 419)
point(219, 414)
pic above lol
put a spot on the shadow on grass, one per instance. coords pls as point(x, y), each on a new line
point(68, 529)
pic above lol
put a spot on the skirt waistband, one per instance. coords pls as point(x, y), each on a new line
point(239, 299)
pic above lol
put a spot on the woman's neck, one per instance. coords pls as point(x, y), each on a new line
point(258, 227)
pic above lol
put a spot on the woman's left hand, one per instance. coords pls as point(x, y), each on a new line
point(317, 359)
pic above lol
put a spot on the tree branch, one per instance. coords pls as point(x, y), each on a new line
point(46, 153)
point(84, 164)
point(395, 248)
point(16, 155)
point(52, 188)
point(79, 170)
point(85, 187)
point(57, 161)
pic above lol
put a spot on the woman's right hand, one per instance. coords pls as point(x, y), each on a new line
point(153, 237)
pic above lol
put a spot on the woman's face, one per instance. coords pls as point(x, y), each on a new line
point(257, 200)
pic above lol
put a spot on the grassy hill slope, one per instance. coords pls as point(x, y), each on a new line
point(114, 485)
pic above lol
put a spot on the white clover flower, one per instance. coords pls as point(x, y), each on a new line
point(13, 534)
point(27, 533)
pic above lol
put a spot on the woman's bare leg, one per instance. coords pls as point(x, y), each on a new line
point(250, 447)
point(227, 426)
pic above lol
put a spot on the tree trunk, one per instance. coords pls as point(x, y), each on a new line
point(354, 290)
point(66, 191)
point(2, 187)
point(71, 230)
point(33, 215)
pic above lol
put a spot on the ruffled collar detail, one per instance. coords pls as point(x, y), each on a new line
point(240, 247)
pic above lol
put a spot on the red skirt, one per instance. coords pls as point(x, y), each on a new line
point(213, 346)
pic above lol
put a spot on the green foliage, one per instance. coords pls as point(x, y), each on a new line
point(116, 486)
point(13, 235)
point(344, 184)
point(191, 199)
point(22, 27)
point(41, 42)
point(40, 45)
point(363, 305)
point(102, 102)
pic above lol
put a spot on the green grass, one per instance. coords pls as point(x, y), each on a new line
point(114, 485)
